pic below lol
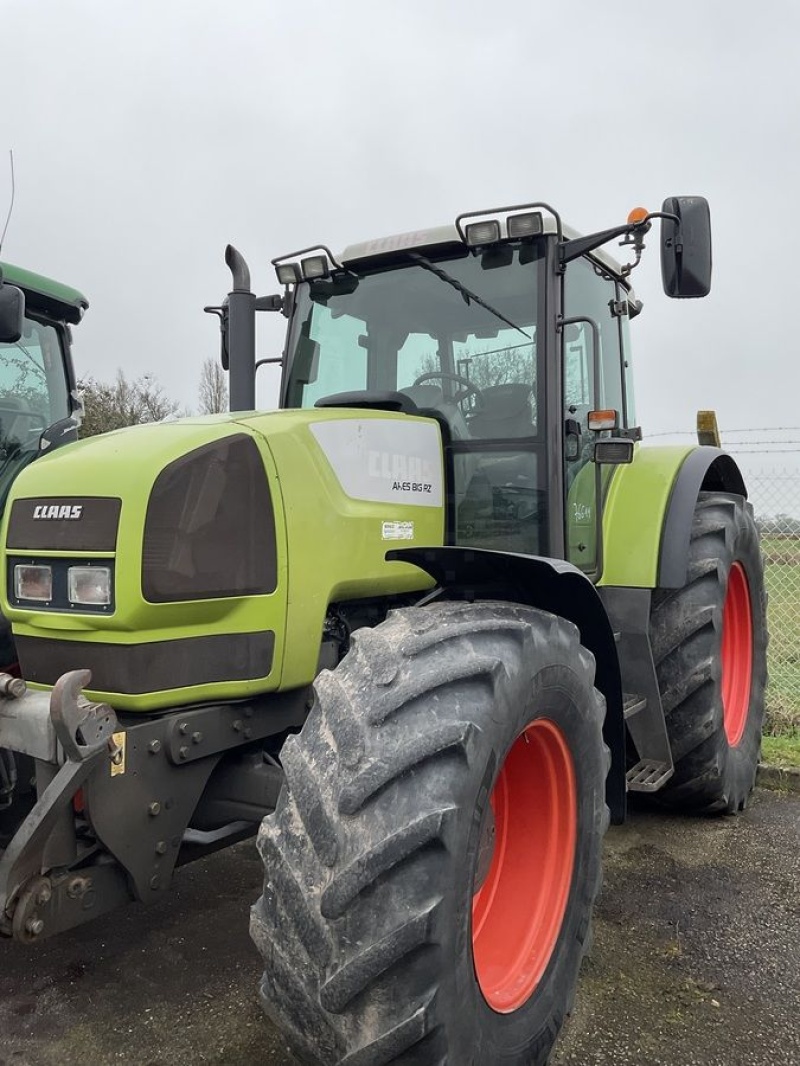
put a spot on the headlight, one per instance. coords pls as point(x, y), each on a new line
point(33, 583)
point(88, 585)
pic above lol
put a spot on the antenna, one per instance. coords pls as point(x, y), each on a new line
point(11, 205)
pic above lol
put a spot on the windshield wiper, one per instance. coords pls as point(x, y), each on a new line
point(468, 294)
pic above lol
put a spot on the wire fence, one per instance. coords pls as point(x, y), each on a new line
point(776, 499)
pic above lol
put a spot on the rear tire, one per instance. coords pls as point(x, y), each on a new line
point(709, 644)
point(433, 861)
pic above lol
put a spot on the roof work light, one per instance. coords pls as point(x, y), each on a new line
point(518, 222)
point(298, 266)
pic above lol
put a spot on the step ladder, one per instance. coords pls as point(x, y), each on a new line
point(648, 775)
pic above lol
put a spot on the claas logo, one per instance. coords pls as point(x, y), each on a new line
point(56, 510)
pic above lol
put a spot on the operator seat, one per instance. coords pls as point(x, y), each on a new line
point(431, 398)
point(503, 411)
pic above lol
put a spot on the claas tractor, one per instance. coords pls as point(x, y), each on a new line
point(39, 405)
point(422, 630)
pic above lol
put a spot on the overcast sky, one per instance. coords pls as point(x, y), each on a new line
point(148, 134)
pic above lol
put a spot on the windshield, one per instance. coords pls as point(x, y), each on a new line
point(33, 388)
point(457, 335)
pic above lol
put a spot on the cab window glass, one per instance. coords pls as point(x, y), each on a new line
point(33, 387)
point(465, 324)
point(503, 369)
point(343, 339)
point(578, 366)
point(590, 294)
point(418, 355)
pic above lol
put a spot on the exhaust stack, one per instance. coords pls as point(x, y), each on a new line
point(241, 334)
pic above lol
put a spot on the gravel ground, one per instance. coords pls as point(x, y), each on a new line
point(696, 961)
point(696, 957)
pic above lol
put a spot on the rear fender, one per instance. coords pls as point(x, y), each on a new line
point(705, 469)
point(647, 513)
point(550, 585)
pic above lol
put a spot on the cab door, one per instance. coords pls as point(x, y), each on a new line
point(592, 380)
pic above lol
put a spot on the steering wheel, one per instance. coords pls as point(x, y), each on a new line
point(469, 388)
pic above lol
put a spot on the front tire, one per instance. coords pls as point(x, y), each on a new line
point(432, 864)
point(709, 643)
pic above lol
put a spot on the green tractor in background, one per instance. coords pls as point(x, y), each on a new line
point(39, 406)
point(431, 622)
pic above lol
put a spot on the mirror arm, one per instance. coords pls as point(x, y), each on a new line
point(579, 246)
point(632, 233)
point(269, 303)
point(637, 238)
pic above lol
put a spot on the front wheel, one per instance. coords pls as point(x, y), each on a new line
point(432, 864)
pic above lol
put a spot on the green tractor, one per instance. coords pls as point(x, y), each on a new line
point(39, 406)
point(426, 627)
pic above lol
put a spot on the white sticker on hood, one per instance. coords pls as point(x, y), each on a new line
point(384, 460)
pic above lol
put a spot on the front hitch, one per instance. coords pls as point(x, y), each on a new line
point(83, 729)
point(67, 742)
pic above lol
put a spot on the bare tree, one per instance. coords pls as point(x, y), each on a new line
point(123, 403)
point(213, 391)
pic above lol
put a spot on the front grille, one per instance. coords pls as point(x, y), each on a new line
point(134, 669)
point(210, 527)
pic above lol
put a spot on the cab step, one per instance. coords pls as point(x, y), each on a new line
point(649, 775)
point(632, 704)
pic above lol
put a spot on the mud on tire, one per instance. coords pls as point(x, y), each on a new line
point(383, 835)
point(709, 644)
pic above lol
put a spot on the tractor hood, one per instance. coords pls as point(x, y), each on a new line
point(195, 560)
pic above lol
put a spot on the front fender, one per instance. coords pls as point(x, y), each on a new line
point(550, 585)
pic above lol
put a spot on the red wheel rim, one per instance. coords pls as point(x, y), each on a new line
point(518, 909)
point(737, 654)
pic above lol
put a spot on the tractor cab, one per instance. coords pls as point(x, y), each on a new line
point(37, 380)
point(455, 336)
point(508, 328)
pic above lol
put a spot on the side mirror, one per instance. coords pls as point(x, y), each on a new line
point(686, 247)
point(222, 314)
point(12, 313)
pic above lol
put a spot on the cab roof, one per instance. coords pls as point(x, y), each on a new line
point(442, 236)
point(45, 295)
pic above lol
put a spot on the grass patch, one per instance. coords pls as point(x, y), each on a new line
point(783, 752)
